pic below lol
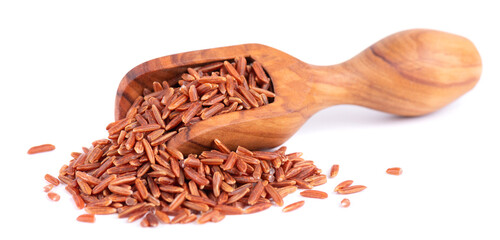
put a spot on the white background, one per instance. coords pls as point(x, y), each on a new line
point(61, 63)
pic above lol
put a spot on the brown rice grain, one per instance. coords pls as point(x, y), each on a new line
point(178, 200)
point(248, 96)
point(212, 80)
point(127, 212)
point(53, 196)
point(196, 206)
point(100, 210)
point(218, 217)
point(103, 184)
point(51, 179)
point(80, 204)
point(351, 189)
point(232, 71)
point(284, 191)
point(88, 167)
point(194, 73)
point(177, 102)
point(211, 67)
point(212, 110)
point(195, 176)
point(171, 189)
point(48, 187)
point(162, 139)
point(214, 99)
point(120, 190)
point(149, 150)
point(208, 95)
point(207, 216)
point(343, 184)
point(41, 148)
point(293, 206)
point(87, 178)
point(190, 218)
point(154, 135)
point(241, 64)
point(318, 180)
point(228, 210)
point(200, 199)
point(152, 220)
point(179, 217)
point(266, 93)
point(176, 154)
point(157, 115)
point(88, 218)
point(123, 179)
point(138, 215)
point(396, 171)
point(162, 216)
point(283, 183)
point(191, 112)
point(314, 194)
point(193, 94)
point(84, 187)
point(94, 154)
point(258, 207)
point(259, 72)
point(235, 197)
point(141, 188)
point(255, 193)
point(274, 194)
point(216, 183)
point(104, 202)
point(302, 184)
point(153, 187)
point(334, 170)
point(230, 161)
point(130, 201)
point(345, 203)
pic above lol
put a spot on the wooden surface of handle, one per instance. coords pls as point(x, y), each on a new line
point(410, 73)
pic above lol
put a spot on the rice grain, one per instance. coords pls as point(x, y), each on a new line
point(53, 196)
point(41, 148)
point(345, 203)
point(51, 179)
point(88, 218)
point(334, 170)
point(396, 171)
point(293, 206)
point(314, 194)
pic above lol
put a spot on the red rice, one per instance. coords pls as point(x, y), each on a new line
point(88, 218)
point(41, 148)
point(394, 171)
point(314, 194)
point(345, 203)
point(293, 206)
point(51, 179)
point(135, 174)
point(53, 196)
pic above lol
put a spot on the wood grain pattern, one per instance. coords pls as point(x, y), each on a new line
point(410, 73)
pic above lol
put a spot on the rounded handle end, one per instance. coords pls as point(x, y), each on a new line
point(414, 72)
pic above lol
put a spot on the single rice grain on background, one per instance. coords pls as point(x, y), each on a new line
point(396, 171)
point(293, 206)
point(345, 203)
point(41, 148)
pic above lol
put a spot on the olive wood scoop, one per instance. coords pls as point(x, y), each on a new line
point(409, 73)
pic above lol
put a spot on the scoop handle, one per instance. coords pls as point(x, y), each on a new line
point(410, 73)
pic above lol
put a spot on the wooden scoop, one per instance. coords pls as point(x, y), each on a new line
point(410, 73)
